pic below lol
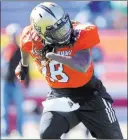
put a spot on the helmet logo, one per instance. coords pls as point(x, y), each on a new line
point(47, 9)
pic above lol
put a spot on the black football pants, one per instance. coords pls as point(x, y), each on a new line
point(96, 114)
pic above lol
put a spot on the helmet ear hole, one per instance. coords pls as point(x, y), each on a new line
point(53, 4)
point(40, 15)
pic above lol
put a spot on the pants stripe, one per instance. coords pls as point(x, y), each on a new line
point(109, 116)
point(114, 116)
point(109, 111)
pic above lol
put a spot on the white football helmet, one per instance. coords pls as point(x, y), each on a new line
point(51, 23)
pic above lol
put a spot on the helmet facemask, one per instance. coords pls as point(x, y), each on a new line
point(60, 32)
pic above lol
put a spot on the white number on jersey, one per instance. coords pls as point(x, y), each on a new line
point(55, 72)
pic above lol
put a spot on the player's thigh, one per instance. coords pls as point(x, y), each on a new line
point(52, 125)
point(101, 120)
point(112, 129)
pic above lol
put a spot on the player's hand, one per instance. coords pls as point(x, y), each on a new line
point(57, 57)
point(21, 72)
point(51, 55)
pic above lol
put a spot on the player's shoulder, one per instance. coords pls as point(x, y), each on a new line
point(84, 28)
point(26, 29)
point(24, 37)
point(28, 37)
point(87, 35)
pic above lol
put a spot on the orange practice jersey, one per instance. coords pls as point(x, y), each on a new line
point(56, 74)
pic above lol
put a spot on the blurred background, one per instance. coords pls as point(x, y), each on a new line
point(21, 106)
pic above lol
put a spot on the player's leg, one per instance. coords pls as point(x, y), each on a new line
point(52, 125)
point(3, 123)
point(101, 119)
point(7, 98)
point(18, 98)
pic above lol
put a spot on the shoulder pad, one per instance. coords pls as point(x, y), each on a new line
point(28, 37)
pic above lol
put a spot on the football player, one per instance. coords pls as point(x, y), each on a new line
point(62, 50)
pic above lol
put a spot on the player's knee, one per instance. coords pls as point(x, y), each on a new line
point(45, 126)
point(50, 127)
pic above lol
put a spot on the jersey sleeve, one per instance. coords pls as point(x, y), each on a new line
point(88, 37)
point(25, 41)
point(29, 39)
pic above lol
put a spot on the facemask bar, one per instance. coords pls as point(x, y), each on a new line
point(59, 32)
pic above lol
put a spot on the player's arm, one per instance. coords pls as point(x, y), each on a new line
point(79, 62)
point(24, 58)
point(22, 68)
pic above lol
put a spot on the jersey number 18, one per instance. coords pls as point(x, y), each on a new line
point(55, 71)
